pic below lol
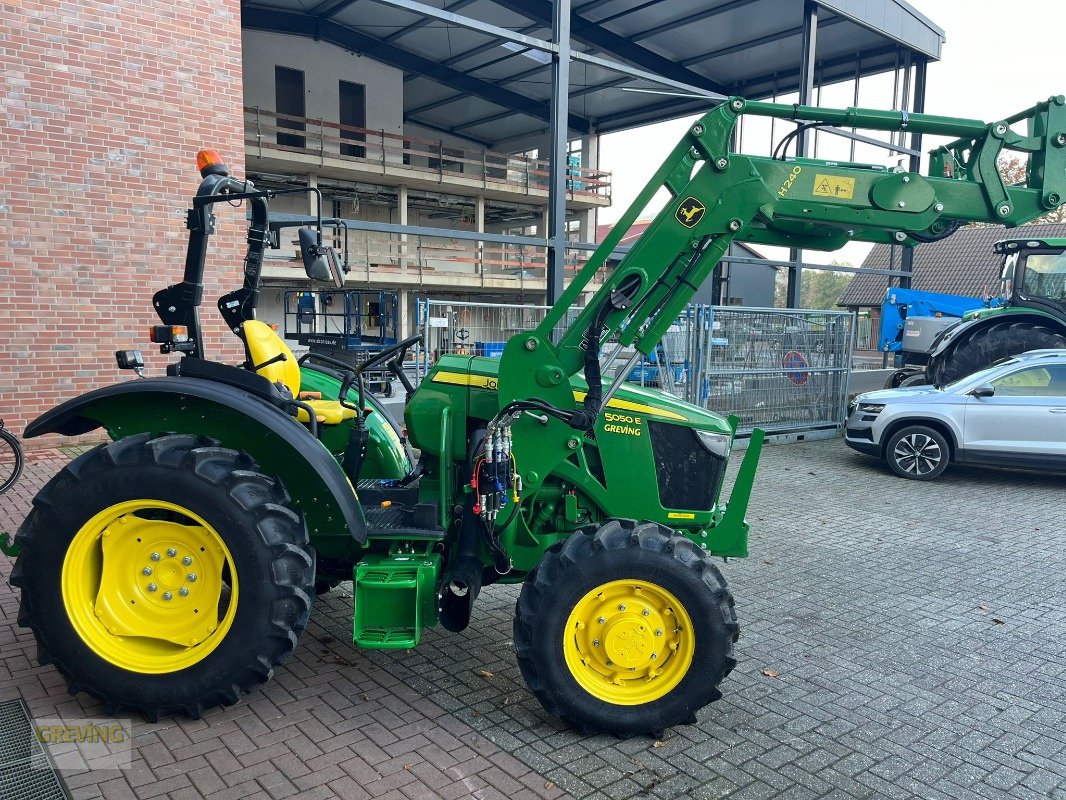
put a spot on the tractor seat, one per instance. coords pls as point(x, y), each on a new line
point(263, 347)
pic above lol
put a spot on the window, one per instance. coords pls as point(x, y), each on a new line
point(1046, 381)
point(1045, 276)
point(353, 113)
point(290, 101)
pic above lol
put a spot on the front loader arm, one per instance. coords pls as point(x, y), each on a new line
point(719, 196)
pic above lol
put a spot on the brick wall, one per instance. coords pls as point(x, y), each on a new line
point(104, 106)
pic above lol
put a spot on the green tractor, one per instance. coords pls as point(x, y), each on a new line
point(172, 569)
point(1033, 317)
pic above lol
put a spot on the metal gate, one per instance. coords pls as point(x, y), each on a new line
point(782, 370)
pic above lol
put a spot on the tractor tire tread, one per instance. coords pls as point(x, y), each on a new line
point(281, 531)
point(565, 560)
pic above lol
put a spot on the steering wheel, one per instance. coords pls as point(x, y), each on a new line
point(392, 354)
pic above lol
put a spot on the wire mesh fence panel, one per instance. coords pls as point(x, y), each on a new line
point(475, 329)
point(776, 369)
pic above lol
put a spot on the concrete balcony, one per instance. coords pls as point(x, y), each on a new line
point(435, 263)
point(279, 143)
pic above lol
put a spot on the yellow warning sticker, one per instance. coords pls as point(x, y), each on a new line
point(680, 515)
point(834, 186)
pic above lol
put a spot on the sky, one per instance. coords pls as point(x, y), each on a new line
point(992, 65)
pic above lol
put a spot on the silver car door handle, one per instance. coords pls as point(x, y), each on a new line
point(1057, 410)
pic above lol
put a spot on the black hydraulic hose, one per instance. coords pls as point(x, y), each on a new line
point(617, 300)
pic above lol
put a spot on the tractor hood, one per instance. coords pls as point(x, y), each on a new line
point(657, 404)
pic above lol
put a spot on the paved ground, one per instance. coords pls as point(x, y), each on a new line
point(911, 647)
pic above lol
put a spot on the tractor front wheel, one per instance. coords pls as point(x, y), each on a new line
point(164, 575)
point(627, 628)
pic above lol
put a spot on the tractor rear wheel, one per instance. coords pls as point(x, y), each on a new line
point(626, 628)
point(987, 346)
point(164, 575)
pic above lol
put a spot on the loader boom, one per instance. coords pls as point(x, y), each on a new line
point(718, 196)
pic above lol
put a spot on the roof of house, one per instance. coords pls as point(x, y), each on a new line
point(641, 225)
point(963, 264)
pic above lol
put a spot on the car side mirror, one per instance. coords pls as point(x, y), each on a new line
point(983, 391)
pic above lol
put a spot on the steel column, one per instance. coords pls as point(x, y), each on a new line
point(809, 58)
point(557, 149)
point(918, 106)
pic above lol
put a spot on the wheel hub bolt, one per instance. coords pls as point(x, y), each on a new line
point(658, 631)
point(654, 656)
point(146, 571)
point(621, 607)
point(184, 591)
point(154, 556)
point(595, 642)
point(152, 587)
point(168, 596)
point(601, 620)
point(187, 560)
point(191, 577)
point(171, 552)
point(610, 663)
point(646, 612)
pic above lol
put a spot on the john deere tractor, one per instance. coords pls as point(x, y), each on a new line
point(175, 567)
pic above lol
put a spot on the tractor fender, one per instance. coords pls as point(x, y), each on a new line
point(963, 329)
point(237, 419)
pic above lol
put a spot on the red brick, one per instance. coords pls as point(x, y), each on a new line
point(105, 106)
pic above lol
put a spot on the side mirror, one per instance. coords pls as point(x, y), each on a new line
point(983, 391)
point(320, 263)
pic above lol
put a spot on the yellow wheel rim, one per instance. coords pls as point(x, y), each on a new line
point(149, 586)
point(628, 642)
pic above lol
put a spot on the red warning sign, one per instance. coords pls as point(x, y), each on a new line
point(796, 367)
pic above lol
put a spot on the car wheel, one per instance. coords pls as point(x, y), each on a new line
point(918, 452)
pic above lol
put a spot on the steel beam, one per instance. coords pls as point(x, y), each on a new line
point(414, 26)
point(808, 62)
point(579, 93)
point(770, 38)
point(699, 16)
point(272, 19)
point(622, 47)
point(826, 64)
point(918, 106)
point(450, 131)
point(557, 156)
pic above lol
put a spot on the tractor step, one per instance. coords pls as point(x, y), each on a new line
point(395, 598)
point(375, 491)
point(401, 522)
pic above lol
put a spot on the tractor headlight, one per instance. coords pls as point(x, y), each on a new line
point(717, 444)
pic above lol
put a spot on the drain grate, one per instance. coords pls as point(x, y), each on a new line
point(26, 769)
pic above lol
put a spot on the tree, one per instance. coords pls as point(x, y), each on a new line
point(1012, 170)
point(821, 288)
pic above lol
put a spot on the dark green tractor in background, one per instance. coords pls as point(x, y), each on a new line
point(175, 567)
point(1033, 316)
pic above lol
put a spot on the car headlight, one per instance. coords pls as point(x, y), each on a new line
point(718, 444)
point(871, 408)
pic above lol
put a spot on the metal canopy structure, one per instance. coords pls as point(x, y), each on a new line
point(468, 81)
point(514, 74)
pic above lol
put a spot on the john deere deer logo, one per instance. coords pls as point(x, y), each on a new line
point(690, 212)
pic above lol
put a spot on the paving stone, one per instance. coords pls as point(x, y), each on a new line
point(871, 597)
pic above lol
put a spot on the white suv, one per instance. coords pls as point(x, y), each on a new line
point(1012, 414)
